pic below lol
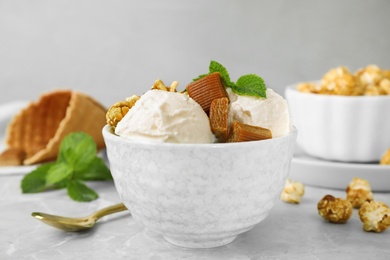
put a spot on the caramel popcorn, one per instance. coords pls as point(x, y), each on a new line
point(293, 192)
point(117, 111)
point(335, 210)
point(340, 81)
point(358, 192)
point(385, 158)
point(375, 216)
point(371, 80)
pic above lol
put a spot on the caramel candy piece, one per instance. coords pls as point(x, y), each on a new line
point(206, 89)
point(12, 157)
point(219, 118)
point(240, 132)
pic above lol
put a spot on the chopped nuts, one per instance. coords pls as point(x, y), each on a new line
point(293, 191)
point(385, 158)
point(375, 216)
point(370, 80)
point(336, 210)
point(358, 192)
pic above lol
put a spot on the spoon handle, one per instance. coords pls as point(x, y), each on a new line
point(109, 210)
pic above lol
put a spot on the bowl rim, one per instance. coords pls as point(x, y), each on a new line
point(107, 133)
point(293, 88)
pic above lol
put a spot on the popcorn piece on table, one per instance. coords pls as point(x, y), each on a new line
point(375, 216)
point(358, 192)
point(293, 191)
point(385, 158)
point(336, 210)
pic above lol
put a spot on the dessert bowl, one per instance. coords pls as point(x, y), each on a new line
point(341, 128)
point(199, 195)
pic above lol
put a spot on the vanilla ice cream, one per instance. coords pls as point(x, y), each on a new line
point(271, 112)
point(169, 117)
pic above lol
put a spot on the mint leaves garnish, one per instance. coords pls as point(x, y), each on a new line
point(76, 162)
point(247, 85)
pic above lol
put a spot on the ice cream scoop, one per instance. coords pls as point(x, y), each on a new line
point(271, 112)
point(163, 116)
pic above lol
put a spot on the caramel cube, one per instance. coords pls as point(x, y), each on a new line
point(240, 132)
point(206, 89)
point(219, 118)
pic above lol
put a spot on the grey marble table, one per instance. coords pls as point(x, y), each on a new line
point(290, 232)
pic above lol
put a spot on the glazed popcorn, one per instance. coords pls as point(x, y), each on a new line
point(358, 192)
point(335, 210)
point(375, 216)
point(370, 81)
point(385, 158)
point(293, 192)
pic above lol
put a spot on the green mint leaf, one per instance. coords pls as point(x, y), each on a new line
point(217, 67)
point(77, 150)
point(58, 172)
point(199, 77)
point(35, 181)
point(97, 170)
point(78, 191)
point(250, 85)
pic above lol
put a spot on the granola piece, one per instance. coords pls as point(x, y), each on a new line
point(293, 192)
point(375, 80)
point(335, 210)
point(375, 216)
point(117, 111)
point(358, 192)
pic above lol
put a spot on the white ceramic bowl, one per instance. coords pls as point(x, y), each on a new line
point(199, 195)
point(341, 128)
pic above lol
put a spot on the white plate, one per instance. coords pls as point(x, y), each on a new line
point(7, 111)
point(337, 175)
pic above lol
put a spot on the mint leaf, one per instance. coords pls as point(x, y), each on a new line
point(76, 161)
point(35, 181)
point(58, 172)
point(77, 150)
point(217, 67)
point(97, 170)
point(78, 191)
point(199, 77)
point(250, 85)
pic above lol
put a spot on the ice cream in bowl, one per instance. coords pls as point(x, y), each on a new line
point(195, 165)
point(344, 116)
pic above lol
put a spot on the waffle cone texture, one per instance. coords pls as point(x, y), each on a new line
point(39, 128)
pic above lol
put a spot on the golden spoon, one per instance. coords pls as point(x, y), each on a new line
point(77, 224)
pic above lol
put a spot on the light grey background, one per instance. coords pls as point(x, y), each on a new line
point(113, 49)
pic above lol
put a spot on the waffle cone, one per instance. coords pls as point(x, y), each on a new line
point(39, 128)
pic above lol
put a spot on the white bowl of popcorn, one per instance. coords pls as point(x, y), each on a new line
point(345, 116)
point(199, 195)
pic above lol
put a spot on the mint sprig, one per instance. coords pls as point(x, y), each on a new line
point(77, 161)
point(247, 85)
